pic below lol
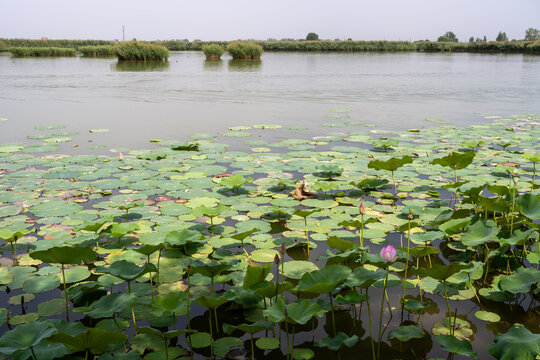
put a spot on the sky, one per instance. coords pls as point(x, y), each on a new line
point(264, 19)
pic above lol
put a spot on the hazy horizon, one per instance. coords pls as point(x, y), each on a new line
point(242, 19)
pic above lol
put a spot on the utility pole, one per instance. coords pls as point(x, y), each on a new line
point(123, 34)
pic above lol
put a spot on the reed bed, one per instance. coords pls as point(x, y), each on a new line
point(213, 51)
point(141, 51)
point(245, 50)
point(41, 51)
point(76, 44)
point(100, 50)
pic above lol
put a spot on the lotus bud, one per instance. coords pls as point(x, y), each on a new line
point(121, 156)
point(188, 268)
point(282, 249)
point(276, 259)
point(388, 254)
point(410, 216)
point(362, 209)
point(285, 312)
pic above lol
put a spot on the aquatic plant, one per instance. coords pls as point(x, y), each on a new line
point(140, 51)
point(95, 51)
point(245, 50)
point(213, 51)
point(41, 51)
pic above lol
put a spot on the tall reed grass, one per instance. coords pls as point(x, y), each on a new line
point(100, 50)
point(213, 51)
point(245, 50)
point(41, 51)
point(141, 51)
point(76, 44)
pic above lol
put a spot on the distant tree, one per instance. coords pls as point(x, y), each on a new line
point(478, 39)
point(471, 39)
point(312, 36)
point(485, 39)
point(532, 34)
point(448, 37)
point(501, 37)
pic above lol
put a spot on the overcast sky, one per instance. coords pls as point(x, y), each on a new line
point(263, 19)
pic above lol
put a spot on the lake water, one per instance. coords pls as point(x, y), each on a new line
point(188, 94)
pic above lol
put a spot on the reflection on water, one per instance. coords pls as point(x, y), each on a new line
point(140, 66)
point(213, 64)
point(244, 65)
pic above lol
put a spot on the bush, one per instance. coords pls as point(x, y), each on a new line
point(41, 51)
point(97, 50)
point(213, 51)
point(3, 46)
point(245, 50)
point(140, 51)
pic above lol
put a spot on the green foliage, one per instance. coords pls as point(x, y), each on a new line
point(140, 51)
point(448, 37)
point(95, 51)
point(245, 50)
point(312, 37)
point(41, 51)
point(532, 34)
point(213, 51)
point(501, 36)
point(517, 343)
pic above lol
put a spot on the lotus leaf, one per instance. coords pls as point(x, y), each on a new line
point(453, 345)
point(223, 345)
point(518, 343)
point(529, 206)
point(440, 271)
point(391, 164)
point(25, 336)
point(456, 161)
point(324, 281)
point(111, 304)
point(64, 255)
point(480, 232)
point(520, 281)
point(337, 342)
point(406, 333)
point(265, 343)
point(94, 340)
point(126, 270)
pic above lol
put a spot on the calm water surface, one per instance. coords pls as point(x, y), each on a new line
point(188, 94)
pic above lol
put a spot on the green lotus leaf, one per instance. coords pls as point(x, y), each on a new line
point(25, 336)
point(324, 281)
point(12, 236)
point(529, 206)
point(122, 229)
point(223, 345)
point(337, 342)
point(183, 237)
point(518, 237)
point(5, 276)
point(441, 272)
point(364, 278)
point(316, 203)
point(38, 284)
point(51, 307)
point(303, 354)
point(234, 181)
point(10, 148)
point(148, 249)
point(420, 251)
point(391, 164)
point(264, 255)
point(210, 212)
point(55, 208)
point(531, 156)
point(518, 343)
point(98, 130)
point(58, 140)
point(453, 345)
point(255, 274)
point(211, 301)
point(111, 304)
point(76, 274)
point(211, 269)
point(454, 226)
point(94, 340)
point(126, 270)
point(520, 281)
point(415, 306)
point(479, 233)
point(487, 316)
point(302, 311)
point(173, 303)
point(406, 333)
point(276, 312)
point(248, 328)
point(353, 297)
point(456, 160)
point(65, 255)
point(265, 343)
point(304, 213)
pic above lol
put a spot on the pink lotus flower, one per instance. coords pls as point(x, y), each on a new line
point(362, 209)
point(388, 254)
point(276, 259)
point(121, 156)
point(283, 248)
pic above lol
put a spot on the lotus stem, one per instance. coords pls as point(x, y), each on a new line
point(307, 236)
point(157, 275)
point(448, 306)
point(277, 280)
point(333, 314)
point(455, 181)
point(65, 292)
point(14, 253)
point(34, 354)
point(212, 283)
point(395, 185)
point(151, 285)
point(407, 260)
point(287, 331)
point(252, 349)
point(370, 328)
point(380, 317)
point(215, 318)
point(362, 231)
point(211, 333)
point(534, 176)
point(292, 342)
point(166, 349)
point(513, 206)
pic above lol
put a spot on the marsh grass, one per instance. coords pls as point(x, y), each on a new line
point(141, 51)
point(213, 51)
point(95, 51)
point(245, 50)
point(41, 51)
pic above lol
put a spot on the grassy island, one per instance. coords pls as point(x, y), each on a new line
point(213, 51)
point(99, 50)
point(141, 51)
point(245, 50)
point(41, 51)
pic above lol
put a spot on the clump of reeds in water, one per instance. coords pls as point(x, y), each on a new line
point(245, 50)
point(213, 51)
point(96, 51)
point(141, 51)
point(41, 51)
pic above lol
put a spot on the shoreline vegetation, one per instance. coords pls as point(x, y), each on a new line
point(213, 51)
point(511, 47)
point(41, 51)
